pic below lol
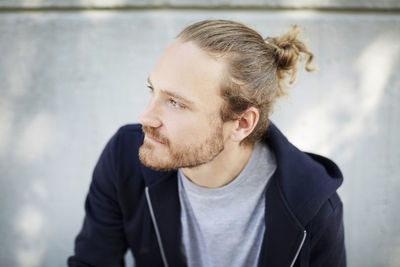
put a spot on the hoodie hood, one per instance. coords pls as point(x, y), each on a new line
point(298, 172)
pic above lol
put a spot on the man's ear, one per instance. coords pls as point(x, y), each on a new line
point(245, 124)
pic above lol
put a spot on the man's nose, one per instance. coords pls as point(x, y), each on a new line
point(149, 116)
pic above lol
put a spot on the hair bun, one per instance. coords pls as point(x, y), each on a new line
point(289, 51)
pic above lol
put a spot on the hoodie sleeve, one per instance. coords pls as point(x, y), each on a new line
point(101, 241)
point(327, 236)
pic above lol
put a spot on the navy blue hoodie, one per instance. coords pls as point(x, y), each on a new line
point(130, 206)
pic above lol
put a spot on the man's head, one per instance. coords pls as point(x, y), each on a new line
point(256, 68)
point(214, 87)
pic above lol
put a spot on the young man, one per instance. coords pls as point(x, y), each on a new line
point(207, 179)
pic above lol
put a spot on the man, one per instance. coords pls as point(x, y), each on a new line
point(207, 179)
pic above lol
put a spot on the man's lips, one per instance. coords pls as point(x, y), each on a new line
point(153, 140)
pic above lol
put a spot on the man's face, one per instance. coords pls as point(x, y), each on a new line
point(181, 121)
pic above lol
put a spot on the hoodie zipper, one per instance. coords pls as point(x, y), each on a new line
point(153, 218)
point(298, 250)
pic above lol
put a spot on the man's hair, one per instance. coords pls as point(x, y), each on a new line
point(258, 70)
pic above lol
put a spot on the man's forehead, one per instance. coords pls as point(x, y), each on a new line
point(186, 69)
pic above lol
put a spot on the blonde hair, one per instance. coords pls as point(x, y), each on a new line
point(258, 70)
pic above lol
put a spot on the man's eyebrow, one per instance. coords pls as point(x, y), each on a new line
point(173, 94)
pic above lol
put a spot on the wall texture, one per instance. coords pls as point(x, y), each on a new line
point(72, 72)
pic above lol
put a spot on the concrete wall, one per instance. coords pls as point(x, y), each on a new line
point(72, 72)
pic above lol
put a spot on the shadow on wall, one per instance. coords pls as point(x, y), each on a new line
point(42, 89)
point(374, 67)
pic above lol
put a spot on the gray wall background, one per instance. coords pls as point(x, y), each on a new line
point(72, 72)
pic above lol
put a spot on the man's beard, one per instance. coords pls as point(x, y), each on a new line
point(181, 156)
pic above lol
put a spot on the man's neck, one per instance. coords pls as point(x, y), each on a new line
point(223, 169)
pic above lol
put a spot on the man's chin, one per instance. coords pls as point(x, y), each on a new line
point(157, 167)
point(147, 158)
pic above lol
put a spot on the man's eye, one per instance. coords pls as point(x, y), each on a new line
point(150, 88)
point(175, 104)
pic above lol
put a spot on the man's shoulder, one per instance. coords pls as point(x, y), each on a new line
point(128, 137)
point(131, 130)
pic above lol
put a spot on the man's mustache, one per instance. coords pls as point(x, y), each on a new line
point(154, 134)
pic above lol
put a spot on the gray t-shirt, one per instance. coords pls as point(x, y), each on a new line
point(225, 226)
